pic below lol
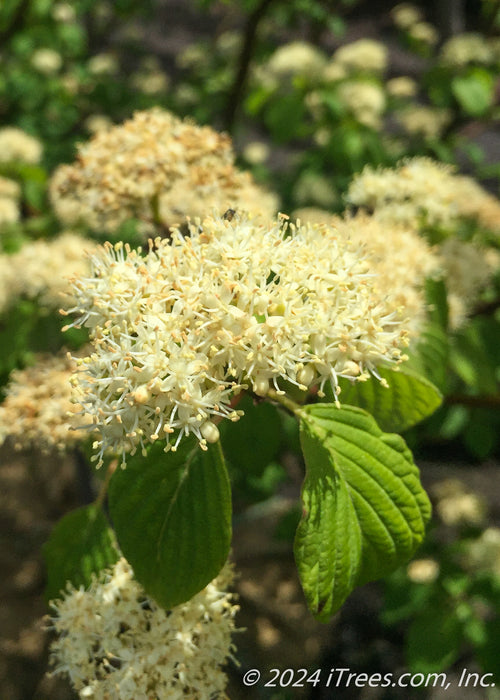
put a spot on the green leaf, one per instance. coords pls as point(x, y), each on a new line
point(437, 302)
point(353, 145)
point(407, 400)
point(403, 599)
point(474, 91)
point(81, 544)
point(286, 117)
point(252, 443)
point(256, 100)
point(481, 434)
point(333, 104)
point(251, 446)
point(428, 651)
point(487, 654)
point(429, 355)
point(172, 515)
point(474, 355)
point(364, 509)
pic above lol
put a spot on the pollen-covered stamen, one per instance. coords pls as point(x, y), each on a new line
point(180, 331)
point(89, 627)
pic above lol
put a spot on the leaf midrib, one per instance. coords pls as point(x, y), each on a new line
point(173, 501)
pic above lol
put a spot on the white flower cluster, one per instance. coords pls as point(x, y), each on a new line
point(483, 553)
point(115, 643)
point(17, 146)
point(463, 49)
point(63, 12)
point(468, 268)
point(424, 121)
point(97, 122)
point(296, 58)
point(155, 168)
point(474, 202)
point(421, 188)
point(46, 61)
point(192, 57)
point(10, 193)
point(9, 188)
point(256, 152)
point(365, 100)
point(103, 64)
point(229, 43)
point(421, 191)
point(364, 55)
point(401, 259)
point(179, 332)
point(405, 15)
point(37, 411)
point(423, 570)
point(150, 79)
point(41, 270)
point(401, 87)
point(313, 187)
point(424, 33)
point(457, 505)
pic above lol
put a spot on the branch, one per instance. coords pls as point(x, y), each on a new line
point(16, 23)
point(492, 401)
point(450, 18)
point(247, 50)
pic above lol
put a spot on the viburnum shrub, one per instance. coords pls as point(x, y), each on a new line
point(222, 340)
point(290, 314)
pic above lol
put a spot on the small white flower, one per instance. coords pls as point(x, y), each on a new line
point(365, 55)
point(115, 642)
point(46, 61)
point(37, 411)
point(237, 304)
point(17, 146)
point(466, 48)
point(296, 58)
point(155, 168)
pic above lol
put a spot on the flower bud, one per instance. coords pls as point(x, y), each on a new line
point(210, 431)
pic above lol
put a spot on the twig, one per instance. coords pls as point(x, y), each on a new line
point(286, 402)
point(486, 308)
point(492, 401)
point(17, 22)
point(250, 35)
point(104, 487)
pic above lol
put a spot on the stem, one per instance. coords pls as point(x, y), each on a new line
point(155, 208)
point(218, 447)
point(104, 487)
point(492, 401)
point(247, 50)
point(83, 474)
point(486, 308)
point(163, 228)
point(450, 18)
point(287, 403)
